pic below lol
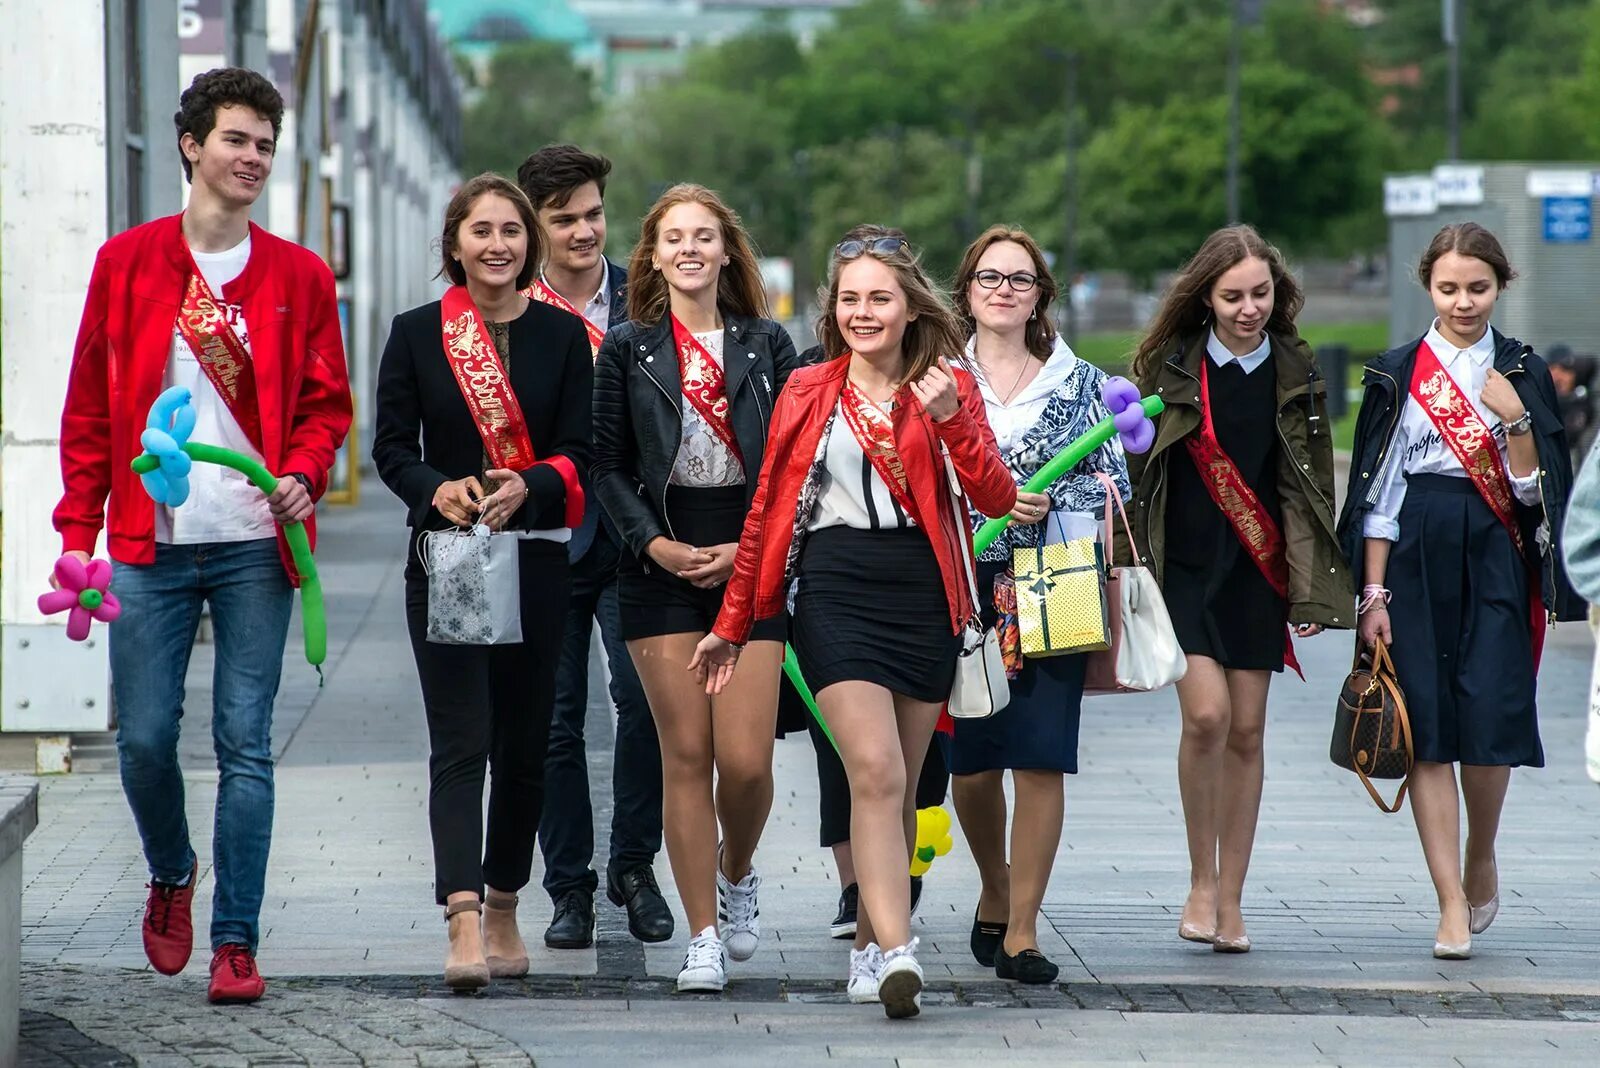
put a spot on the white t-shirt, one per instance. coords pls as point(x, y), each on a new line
point(704, 462)
point(223, 505)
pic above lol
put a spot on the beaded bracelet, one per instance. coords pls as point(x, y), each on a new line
point(1373, 596)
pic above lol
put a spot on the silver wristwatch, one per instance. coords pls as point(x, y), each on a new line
point(1518, 427)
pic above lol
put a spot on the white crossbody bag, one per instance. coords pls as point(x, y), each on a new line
point(980, 689)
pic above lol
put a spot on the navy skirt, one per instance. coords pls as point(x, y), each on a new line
point(1038, 728)
point(1463, 642)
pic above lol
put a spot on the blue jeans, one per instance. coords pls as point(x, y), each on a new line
point(251, 600)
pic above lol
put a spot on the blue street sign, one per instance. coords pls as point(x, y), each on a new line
point(1568, 220)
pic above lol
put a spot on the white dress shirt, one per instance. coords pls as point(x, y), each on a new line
point(598, 310)
point(1419, 449)
point(1221, 355)
point(853, 493)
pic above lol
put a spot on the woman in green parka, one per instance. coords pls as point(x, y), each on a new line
point(1234, 514)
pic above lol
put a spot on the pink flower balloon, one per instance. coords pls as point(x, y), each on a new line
point(85, 594)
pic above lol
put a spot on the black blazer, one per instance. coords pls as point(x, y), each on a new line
point(425, 435)
point(638, 414)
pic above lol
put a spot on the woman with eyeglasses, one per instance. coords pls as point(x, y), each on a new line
point(683, 401)
point(1234, 514)
point(1038, 397)
point(855, 507)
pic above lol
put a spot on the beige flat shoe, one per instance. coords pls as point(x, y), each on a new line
point(1193, 932)
point(1461, 951)
point(504, 967)
point(1231, 945)
point(464, 978)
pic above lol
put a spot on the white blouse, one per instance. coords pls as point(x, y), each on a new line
point(1419, 449)
point(853, 494)
point(704, 462)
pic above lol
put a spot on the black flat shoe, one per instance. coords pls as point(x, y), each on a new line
point(986, 939)
point(1029, 966)
point(572, 926)
point(649, 918)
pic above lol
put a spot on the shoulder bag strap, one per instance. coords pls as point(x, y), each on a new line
point(962, 535)
point(1114, 494)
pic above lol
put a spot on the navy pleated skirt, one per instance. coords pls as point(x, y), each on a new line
point(1463, 641)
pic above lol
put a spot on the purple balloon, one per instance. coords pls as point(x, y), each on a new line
point(1127, 420)
point(1119, 394)
point(1140, 438)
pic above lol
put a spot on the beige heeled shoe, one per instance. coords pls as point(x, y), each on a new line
point(1231, 945)
point(504, 967)
point(1457, 951)
point(463, 978)
point(1193, 932)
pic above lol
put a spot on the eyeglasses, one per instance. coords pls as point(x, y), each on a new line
point(878, 246)
point(1021, 281)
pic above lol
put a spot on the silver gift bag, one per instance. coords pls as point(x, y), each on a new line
point(474, 587)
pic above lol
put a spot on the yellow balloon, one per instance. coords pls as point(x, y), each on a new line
point(943, 846)
point(919, 867)
point(939, 821)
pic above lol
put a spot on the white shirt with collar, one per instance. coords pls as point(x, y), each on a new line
point(1222, 356)
point(598, 309)
point(1419, 449)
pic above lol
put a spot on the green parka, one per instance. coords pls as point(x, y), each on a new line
point(1319, 582)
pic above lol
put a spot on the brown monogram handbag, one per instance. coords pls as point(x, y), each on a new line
point(1371, 732)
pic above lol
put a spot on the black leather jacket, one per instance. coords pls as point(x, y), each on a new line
point(638, 414)
point(1388, 380)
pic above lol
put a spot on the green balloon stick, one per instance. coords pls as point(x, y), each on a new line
point(313, 614)
point(1063, 461)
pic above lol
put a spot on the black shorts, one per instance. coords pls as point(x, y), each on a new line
point(654, 602)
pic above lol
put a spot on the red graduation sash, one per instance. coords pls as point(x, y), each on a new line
point(486, 388)
point(545, 295)
point(704, 385)
point(874, 432)
point(222, 356)
point(1252, 524)
point(1472, 443)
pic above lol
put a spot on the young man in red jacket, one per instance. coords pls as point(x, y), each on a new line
point(248, 323)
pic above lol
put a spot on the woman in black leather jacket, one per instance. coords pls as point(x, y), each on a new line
point(683, 396)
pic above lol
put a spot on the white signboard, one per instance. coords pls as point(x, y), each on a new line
point(1560, 183)
point(1458, 184)
point(1410, 194)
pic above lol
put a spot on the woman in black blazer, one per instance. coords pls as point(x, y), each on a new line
point(511, 461)
point(683, 396)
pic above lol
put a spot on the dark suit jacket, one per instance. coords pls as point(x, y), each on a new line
point(594, 516)
point(425, 435)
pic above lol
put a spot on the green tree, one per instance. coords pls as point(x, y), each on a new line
point(534, 93)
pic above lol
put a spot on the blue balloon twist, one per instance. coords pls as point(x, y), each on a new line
point(172, 419)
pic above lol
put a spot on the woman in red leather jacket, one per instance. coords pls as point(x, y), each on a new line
point(853, 523)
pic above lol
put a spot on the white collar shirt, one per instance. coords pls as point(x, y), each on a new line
point(1221, 356)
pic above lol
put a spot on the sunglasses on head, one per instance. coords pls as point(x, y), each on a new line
point(878, 246)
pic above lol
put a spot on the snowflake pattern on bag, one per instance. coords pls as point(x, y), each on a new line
point(459, 612)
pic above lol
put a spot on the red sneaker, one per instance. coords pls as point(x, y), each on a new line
point(234, 979)
point(168, 926)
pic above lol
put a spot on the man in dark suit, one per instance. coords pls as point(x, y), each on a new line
point(567, 188)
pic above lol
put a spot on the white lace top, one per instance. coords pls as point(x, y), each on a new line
point(704, 462)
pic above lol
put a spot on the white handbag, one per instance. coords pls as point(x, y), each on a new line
point(1144, 653)
point(980, 688)
point(474, 586)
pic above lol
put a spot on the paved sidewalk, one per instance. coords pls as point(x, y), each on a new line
point(1338, 904)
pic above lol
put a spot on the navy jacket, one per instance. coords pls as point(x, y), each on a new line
point(1388, 382)
point(595, 516)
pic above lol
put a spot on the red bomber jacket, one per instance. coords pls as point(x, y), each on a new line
point(120, 360)
point(756, 588)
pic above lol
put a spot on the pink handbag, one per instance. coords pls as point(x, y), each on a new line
point(1144, 654)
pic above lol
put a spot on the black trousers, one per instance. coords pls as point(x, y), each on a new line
point(566, 828)
point(834, 785)
point(488, 709)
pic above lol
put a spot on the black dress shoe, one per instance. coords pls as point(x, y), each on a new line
point(986, 939)
point(844, 924)
point(649, 918)
point(1029, 966)
point(572, 927)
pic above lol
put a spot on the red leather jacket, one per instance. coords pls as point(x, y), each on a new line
point(120, 359)
point(760, 570)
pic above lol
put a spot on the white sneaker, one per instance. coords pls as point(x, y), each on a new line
point(705, 966)
point(737, 912)
point(900, 982)
point(864, 965)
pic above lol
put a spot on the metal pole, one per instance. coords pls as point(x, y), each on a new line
point(1451, 15)
point(1235, 32)
point(1069, 242)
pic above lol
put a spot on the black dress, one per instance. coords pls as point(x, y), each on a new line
point(1220, 603)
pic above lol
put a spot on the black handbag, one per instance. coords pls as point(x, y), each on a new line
point(1371, 731)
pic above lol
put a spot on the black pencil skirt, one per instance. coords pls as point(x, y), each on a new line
point(1463, 639)
point(869, 606)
